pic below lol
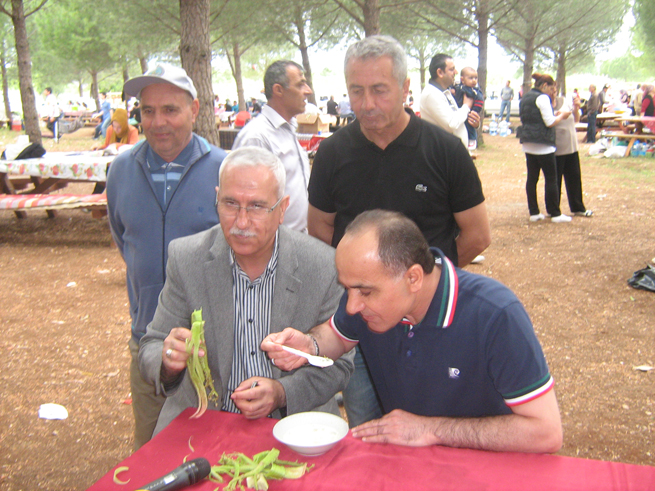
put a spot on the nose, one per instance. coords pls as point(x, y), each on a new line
point(242, 218)
point(156, 119)
point(354, 304)
point(368, 102)
point(308, 90)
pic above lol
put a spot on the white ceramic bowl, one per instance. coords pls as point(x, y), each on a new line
point(311, 433)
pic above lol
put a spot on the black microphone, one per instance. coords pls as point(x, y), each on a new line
point(185, 475)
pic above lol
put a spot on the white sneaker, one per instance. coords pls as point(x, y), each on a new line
point(561, 219)
point(536, 218)
point(477, 259)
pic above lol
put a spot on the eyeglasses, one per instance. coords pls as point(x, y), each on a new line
point(231, 209)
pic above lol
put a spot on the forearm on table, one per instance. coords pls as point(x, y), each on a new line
point(509, 433)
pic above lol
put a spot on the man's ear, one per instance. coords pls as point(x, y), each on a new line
point(414, 276)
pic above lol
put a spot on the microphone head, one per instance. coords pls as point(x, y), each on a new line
point(198, 469)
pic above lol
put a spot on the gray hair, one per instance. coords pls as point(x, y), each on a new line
point(276, 73)
point(252, 157)
point(400, 242)
point(377, 47)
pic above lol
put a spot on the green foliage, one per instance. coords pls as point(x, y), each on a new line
point(644, 29)
point(629, 68)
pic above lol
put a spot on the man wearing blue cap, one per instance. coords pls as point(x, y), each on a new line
point(160, 190)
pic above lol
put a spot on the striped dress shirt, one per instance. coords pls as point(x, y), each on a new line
point(252, 321)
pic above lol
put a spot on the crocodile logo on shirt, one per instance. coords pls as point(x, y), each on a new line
point(421, 188)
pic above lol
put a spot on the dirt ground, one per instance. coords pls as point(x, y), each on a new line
point(65, 323)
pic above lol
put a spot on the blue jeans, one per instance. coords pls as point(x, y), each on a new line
point(591, 127)
point(359, 397)
point(503, 105)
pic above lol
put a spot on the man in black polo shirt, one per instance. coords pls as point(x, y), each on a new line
point(392, 160)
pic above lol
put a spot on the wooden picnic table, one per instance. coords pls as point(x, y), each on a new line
point(53, 171)
point(637, 124)
point(631, 137)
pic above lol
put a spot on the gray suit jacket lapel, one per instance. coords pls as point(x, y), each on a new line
point(287, 284)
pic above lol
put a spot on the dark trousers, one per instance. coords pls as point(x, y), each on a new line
point(569, 167)
point(547, 165)
point(591, 127)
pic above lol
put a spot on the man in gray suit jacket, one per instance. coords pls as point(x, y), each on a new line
point(252, 277)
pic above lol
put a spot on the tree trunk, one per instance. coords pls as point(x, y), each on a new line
point(95, 95)
point(81, 88)
point(142, 60)
point(30, 115)
point(371, 11)
point(5, 83)
point(144, 64)
point(196, 56)
point(300, 27)
point(483, 52)
point(238, 76)
point(422, 68)
point(561, 71)
point(528, 65)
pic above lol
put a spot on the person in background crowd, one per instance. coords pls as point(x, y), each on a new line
point(256, 107)
point(625, 97)
point(105, 113)
point(135, 116)
point(603, 98)
point(120, 132)
point(332, 108)
point(636, 99)
point(506, 96)
point(160, 190)
point(538, 140)
point(438, 106)
point(345, 110)
point(275, 129)
point(647, 108)
point(567, 157)
point(52, 112)
point(593, 105)
point(469, 85)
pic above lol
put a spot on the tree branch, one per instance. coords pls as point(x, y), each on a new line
point(37, 8)
point(351, 14)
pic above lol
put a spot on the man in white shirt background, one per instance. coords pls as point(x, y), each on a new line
point(275, 129)
point(438, 105)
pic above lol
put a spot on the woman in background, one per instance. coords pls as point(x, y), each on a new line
point(538, 141)
point(567, 157)
point(120, 132)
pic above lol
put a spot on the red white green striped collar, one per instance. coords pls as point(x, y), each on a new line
point(442, 310)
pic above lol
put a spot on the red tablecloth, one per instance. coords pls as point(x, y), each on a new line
point(354, 465)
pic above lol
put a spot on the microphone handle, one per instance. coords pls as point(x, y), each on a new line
point(181, 477)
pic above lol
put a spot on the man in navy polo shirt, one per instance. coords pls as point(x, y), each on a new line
point(453, 355)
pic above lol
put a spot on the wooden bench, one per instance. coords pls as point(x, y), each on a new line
point(19, 203)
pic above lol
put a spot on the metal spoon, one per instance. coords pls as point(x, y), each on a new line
point(317, 361)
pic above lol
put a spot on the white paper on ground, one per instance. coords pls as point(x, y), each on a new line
point(52, 411)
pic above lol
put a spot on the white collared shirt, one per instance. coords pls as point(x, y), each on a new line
point(439, 107)
point(271, 131)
